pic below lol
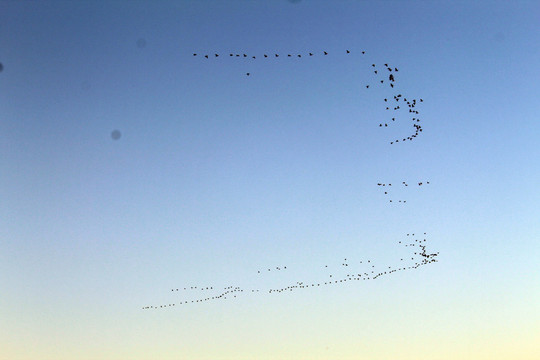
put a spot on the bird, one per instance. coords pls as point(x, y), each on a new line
point(206, 56)
point(325, 53)
point(194, 54)
point(348, 52)
point(247, 74)
point(310, 54)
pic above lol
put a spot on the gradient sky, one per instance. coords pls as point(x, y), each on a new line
point(217, 175)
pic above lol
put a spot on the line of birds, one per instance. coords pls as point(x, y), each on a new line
point(418, 258)
point(268, 56)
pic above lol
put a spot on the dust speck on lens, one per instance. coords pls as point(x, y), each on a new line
point(116, 134)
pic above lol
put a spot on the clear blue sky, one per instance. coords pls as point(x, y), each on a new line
point(217, 175)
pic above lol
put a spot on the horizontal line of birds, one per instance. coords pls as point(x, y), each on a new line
point(267, 56)
point(422, 258)
point(402, 183)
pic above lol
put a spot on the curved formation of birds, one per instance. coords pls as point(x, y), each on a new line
point(414, 260)
point(384, 75)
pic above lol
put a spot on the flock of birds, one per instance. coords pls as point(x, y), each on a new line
point(403, 183)
point(385, 75)
point(412, 261)
point(363, 270)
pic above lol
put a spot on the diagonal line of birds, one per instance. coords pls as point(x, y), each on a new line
point(357, 270)
point(386, 189)
point(383, 75)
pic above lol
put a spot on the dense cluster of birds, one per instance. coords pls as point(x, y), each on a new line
point(403, 183)
point(410, 104)
point(413, 260)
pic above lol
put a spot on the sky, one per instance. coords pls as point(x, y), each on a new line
point(130, 168)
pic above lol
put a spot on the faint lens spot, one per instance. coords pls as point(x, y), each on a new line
point(1, 67)
point(116, 134)
point(294, 1)
point(499, 37)
point(141, 43)
point(85, 85)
